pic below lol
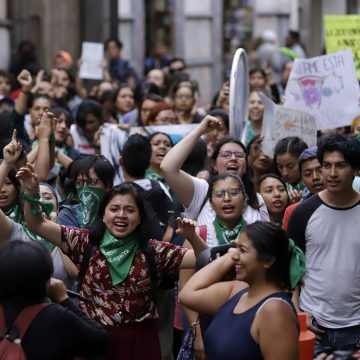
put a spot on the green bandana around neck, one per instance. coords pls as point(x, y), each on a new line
point(119, 254)
point(62, 148)
point(14, 213)
point(89, 203)
point(224, 235)
point(152, 175)
point(38, 238)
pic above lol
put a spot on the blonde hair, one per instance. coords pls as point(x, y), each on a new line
point(353, 123)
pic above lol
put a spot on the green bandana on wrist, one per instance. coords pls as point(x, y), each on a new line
point(14, 213)
point(38, 206)
point(119, 254)
point(90, 198)
point(297, 264)
point(225, 235)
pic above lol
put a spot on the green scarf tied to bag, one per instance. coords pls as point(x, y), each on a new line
point(89, 203)
point(119, 254)
point(297, 264)
point(225, 235)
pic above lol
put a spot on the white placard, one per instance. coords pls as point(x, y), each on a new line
point(239, 93)
point(280, 122)
point(92, 55)
point(325, 87)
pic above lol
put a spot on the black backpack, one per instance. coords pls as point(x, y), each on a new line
point(158, 207)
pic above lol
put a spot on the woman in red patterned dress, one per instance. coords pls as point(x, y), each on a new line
point(118, 278)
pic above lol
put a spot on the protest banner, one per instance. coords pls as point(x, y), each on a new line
point(325, 87)
point(280, 122)
point(92, 55)
point(176, 132)
point(342, 32)
point(239, 92)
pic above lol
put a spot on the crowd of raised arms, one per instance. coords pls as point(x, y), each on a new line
point(149, 244)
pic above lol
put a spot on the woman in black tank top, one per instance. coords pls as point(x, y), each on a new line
point(254, 317)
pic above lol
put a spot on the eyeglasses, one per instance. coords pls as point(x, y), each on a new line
point(89, 182)
point(228, 154)
point(220, 194)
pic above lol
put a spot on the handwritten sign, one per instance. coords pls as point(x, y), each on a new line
point(280, 122)
point(325, 87)
point(342, 32)
point(92, 55)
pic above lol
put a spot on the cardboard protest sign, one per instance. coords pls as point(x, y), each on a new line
point(280, 122)
point(342, 32)
point(239, 92)
point(325, 87)
point(92, 55)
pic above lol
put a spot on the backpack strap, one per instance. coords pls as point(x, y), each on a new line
point(26, 316)
point(23, 319)
point(89, 252)
point(203, 232)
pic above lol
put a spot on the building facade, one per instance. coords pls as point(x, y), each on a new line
point(205, 33)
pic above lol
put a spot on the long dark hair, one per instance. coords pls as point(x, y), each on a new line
point(143, 229)
point(249, 186)
point(270, 240)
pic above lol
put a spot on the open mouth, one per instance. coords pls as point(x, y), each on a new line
point(318, 186)
point(232, 169)
point(278, 203)
point(228, 208)
point(120, 225)
point(160, 155)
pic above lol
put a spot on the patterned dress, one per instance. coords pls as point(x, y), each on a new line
point(130, 302)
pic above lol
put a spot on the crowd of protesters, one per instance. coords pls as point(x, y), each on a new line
point(123, 229)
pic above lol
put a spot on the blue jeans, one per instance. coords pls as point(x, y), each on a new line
point(337, 339)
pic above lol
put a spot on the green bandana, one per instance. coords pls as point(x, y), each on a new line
point(119, 254)
point(297, 264)
point(89, 202)
point(150, 174)
point(14, 213)
point(298, 187)
point(38, 238)
point(225, 235)
point(62, 149)
point(279, 223)
point(290, 53)
point(38, 206)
